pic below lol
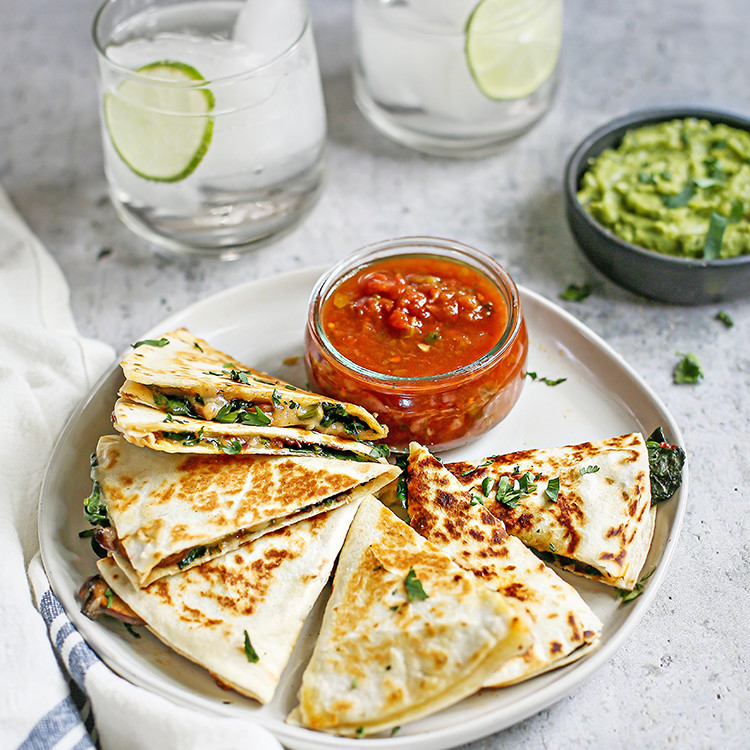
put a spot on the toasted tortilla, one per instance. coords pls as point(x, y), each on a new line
point(172, 511)
point(186, 376)
point(151, 428)
point(601, 522)
point(382, 660)
point(563, 626)
point(265, 588)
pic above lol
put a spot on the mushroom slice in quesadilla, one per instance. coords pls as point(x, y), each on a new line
point(239, 615)
point(406, 632)
point(185, 376)
point(169, 512)
point(586, 507)
point(563, 626)
point(151, 428)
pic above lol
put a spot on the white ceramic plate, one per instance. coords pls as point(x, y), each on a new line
point(262, 324)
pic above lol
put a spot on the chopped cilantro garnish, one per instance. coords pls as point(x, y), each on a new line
point(110, 597)
point(546, 381)
point(250, 652)
point(553, 489)
point(475, 499)
point(276, 399)
point(198, 347)
point(588, 469)
point(487, 483)
point(360, 732)
point(414, 590)
point(432, 337)
point(576, 292)
point(151, 342)
point(714, 236)
point(688, 369)
point(724, 318)
point(475, 468)
point(510, 493)
point(354, 684)
point(680, 199)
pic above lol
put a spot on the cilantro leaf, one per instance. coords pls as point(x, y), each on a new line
point(553, 489)
point(681, 199)
point(714, 236)
point(588, 469)
point(250, 652)
point(414, 590)
point(688, 369)
point(432, 337)
point(151, 342)
point(724, 318)
point(546, 381)
point(576, 292)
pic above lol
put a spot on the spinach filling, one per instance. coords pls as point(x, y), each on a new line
point(93, 508)
point(177, 405)
point(244, 412)
point(665, 462)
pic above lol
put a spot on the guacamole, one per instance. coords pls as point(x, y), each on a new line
point(680, 188)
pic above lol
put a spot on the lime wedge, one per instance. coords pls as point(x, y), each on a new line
point(512, 46)
point(160, 122)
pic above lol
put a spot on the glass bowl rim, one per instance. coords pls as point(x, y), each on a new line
point(427, 246)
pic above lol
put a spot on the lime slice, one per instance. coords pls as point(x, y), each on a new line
point(512, 46)
point(159, 122)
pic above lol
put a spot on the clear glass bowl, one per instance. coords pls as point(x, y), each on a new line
point(439, 411)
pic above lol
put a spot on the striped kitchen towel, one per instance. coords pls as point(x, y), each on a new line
point(55, 692)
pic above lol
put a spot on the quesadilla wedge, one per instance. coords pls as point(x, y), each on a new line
point(563, 626)
point(239, 615)
point(406, 632)
point(151, 428)
point(162, 513)
point(183, 375)
point(585, 507)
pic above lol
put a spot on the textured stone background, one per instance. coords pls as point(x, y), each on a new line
point(681, 678)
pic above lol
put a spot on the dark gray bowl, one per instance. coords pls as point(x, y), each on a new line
point(665, 278)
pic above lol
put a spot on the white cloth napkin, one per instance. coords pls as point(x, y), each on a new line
point(55, 692)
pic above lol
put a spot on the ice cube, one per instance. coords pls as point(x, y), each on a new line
point(269, 27)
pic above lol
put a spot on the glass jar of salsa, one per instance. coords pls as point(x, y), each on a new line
point(426, 333)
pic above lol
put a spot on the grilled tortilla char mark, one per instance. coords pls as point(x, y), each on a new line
point(99, 599)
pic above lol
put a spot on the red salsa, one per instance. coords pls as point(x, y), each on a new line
point(419, 324)
point(412, 316)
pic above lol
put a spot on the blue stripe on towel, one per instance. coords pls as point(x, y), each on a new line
point(80, 658)
point(62, 634)
point(54, 726)
point(67, 716)
point(49, 607)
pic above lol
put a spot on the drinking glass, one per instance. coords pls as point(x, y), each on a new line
point(456, 77)
point(213, 119)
